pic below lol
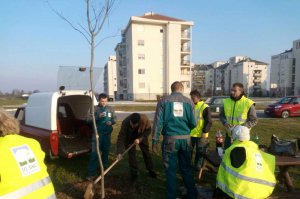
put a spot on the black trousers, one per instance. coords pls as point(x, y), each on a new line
point(146, 155)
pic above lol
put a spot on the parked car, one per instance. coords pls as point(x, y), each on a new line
point(215, 103)
point(285, 107)
point(58, 121)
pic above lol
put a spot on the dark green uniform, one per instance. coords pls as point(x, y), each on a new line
point(104, 132)
point(174, 119)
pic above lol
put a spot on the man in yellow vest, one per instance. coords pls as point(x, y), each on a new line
point(23, 173)
point(245, 171)
point(199, 134)
point(237, 110)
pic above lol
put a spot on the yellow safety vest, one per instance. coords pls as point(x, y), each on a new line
point(253, 179)
point(22, 169)
point(199, 108)
point(236, 111)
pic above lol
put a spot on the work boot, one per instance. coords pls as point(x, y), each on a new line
point(152, 174)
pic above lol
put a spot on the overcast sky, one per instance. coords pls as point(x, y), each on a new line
point(34, 41)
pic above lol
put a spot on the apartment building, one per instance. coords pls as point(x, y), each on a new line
point(252, 73)
point(110, 77)
point(285, 72)
point(198, 77)
point(155, 51)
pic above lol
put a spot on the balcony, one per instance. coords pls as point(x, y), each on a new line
point(257, 80)
point(185, 50)
point(186, 35)
point(185, 63)
point(257, 74)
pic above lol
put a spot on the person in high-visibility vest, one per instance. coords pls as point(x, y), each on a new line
point(23, 173)
point(237, 110)
point(200, 133)
point(245, 171)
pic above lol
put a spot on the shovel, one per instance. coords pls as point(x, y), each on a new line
point(89, 192)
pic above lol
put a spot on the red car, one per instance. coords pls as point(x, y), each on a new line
point(285, 107)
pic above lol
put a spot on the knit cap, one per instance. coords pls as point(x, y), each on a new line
point(241, 133)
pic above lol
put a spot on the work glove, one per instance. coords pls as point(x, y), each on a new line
point(119, 156)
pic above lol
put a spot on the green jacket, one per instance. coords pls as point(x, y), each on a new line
point(174, 116)
point(109, 115)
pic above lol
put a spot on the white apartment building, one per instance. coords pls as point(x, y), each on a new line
point(110, 77)
point(251, 73)
point(155, 51)
point(285, 72)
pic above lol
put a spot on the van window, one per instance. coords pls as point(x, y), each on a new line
point(62, 113)
point(218, 101)
point(20, 115)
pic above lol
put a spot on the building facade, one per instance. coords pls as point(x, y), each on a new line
point(252, 73)
point(155, 51)
point(198, 77)
point(110, 77)
point(285, 72)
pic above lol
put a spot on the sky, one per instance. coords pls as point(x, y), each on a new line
point(34, 41)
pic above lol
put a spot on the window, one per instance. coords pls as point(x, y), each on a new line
point(125, 83)
point(141, 71)
point(141, 56)
point(294, 61)
point(161, 30)
point(20, 115)
point(142, 85)
point(141, 43)
point(62, 113)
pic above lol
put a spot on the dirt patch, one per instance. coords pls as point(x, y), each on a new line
point(115, 188)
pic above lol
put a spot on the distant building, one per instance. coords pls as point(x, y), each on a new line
point(110, 77)
point(154, 52)
point(285, 72)
point(252, 73)
point(198, 77)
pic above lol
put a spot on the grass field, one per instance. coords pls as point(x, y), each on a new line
point(68, 174)
point(12, 101)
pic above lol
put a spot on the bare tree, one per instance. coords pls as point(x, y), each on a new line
point(96, 17)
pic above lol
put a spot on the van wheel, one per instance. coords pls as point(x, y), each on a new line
point(285, 114)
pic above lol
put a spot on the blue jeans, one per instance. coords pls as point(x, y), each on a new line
point(173, 151)
point(104, 146)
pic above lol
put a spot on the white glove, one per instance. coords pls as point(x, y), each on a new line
point(119, 157)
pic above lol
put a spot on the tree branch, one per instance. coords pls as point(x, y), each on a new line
point(108, 7)
point(60, 15)
point(106, 38)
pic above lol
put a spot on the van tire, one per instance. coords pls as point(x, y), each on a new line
point(285, 114)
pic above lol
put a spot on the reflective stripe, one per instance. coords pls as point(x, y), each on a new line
point(254, 180)
point(53, 196)
point(28, 189)
point(176, 137)
point(225, 189)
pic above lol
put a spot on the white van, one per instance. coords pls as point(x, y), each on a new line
point(58, 121)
